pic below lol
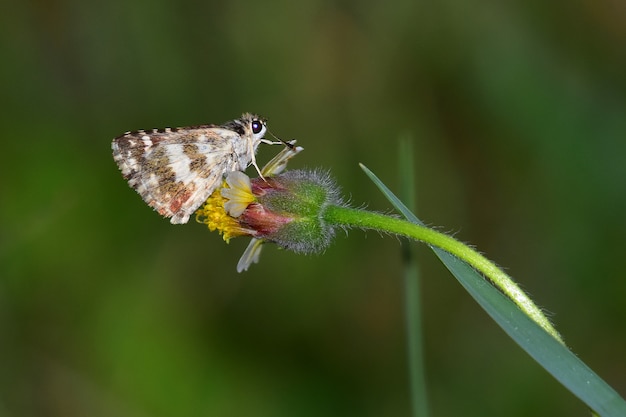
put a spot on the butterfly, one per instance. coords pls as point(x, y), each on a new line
point(175, 170)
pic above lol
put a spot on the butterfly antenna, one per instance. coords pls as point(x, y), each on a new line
point(289, 145)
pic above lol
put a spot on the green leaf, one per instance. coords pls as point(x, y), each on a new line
point(412, 292)
point(554, 357)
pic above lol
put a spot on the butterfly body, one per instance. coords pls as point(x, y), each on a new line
point(175, 170)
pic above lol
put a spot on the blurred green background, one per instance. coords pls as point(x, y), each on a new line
point(517, 112)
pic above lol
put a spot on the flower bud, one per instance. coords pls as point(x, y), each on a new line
point(286, 209)
point(289, 210)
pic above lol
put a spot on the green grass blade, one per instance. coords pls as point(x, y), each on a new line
point(559, 361)
point(412, 292)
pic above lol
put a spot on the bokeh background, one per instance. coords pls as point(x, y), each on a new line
point(517, 114)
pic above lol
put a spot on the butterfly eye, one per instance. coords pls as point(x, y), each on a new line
point(257, 126)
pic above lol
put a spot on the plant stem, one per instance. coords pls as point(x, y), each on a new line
point(349, 217)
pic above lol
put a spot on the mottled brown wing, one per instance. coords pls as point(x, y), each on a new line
point(176, 170)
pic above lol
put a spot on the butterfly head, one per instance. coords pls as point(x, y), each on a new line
point(249, 126)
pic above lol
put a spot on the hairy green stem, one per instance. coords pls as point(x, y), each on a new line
point(349, 217)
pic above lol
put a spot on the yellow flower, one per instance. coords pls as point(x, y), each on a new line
point(238, 192)
point(271, 208)
point(287, 209)
point(215, 212)
point(222, 208)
